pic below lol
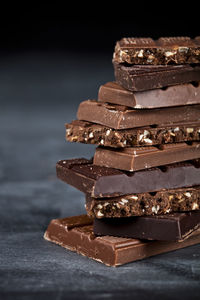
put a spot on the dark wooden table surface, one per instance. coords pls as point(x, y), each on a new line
point(39, 92)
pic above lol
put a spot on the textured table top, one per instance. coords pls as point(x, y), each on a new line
point(38, 94)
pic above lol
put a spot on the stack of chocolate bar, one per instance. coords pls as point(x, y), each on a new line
point(143, 185)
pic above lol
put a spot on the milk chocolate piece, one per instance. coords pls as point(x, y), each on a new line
point(138, 158)
point(121, 117)
point(183, 94)
point(170, 227)
point(155, 203)
point(144, 77)
point(111, 251)
point(91, 133)
point(165, 50)
point(106, 182)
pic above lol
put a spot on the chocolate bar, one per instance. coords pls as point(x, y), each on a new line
point(155, 203)
point(138, 158)
point(106, 182)
point(144, 77)
point(91, 133)
point(76, 234)
point(170, 227)
point(182, 94)
point(121, 117)
point(165, 50)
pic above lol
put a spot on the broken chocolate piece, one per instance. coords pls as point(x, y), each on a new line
point(121, 117)
point(182, 94)
point(111, 251)
point(144, 77)
point(102, 182)
point(155, 203)
point(138, 158)
point(170, 227)
point(165, 50)
point(91, 133)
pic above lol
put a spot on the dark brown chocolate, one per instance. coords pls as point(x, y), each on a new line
point(156, 203)
point(111, 251)
point(106, 182)
point(121, 117)
point(138, 158)
point(170, 227)
point(165, 50)
point(182, 94)
point(144, 77)
point(91, 133)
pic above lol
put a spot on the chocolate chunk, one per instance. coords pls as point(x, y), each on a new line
point(170, 227)
point(165, 50)
point(144, 77)
point(111, 251)
point(121, 117)
point(106, 182)
point(138, 158)
point(91, 133)
point(155, 203)
point(182, 94)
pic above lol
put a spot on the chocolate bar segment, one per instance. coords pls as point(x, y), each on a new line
point(144, 77)
point(165, 50)
point(111, 251)
point(121, 117)
point(170, 227)
point(91, 133)
point(106, 182)
point(182, 94)
point(138, 158)
point(156, 203)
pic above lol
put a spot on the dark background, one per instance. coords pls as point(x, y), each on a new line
point(48, 65)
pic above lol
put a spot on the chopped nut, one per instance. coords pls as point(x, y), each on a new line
point(124, 200)
point(99, 206)
point(140, 53)
point(190, 130)
point(148, 141)
point(195, 206)
point(68, 131)
point(155, 209)
point(171, 197)
point(108, 132)
point(102, 142)
point(170, 53)
point(133, 197)
point(181, 200)
point(99, 214)
point(176, 129)
point(187, 194)
point(146, 132)
point(91, 135)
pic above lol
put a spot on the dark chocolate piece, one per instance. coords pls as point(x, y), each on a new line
point(165, 50)
point(170, 227)
point(182, 94)
point(156, 203)
point(106, 182)
point(91, 133)
point(112, 251)
point(138, 158)
point(144, 77)
point(121, 117)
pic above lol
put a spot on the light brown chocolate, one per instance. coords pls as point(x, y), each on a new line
point(111, 251)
